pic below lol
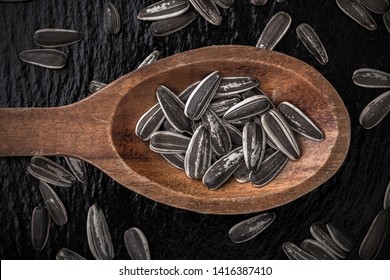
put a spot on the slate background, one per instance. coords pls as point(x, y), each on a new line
point(350, 199)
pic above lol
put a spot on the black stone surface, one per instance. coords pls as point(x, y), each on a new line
point(350, 199)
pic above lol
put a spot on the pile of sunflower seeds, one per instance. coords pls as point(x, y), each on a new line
point(170, 16)
point(221, 126)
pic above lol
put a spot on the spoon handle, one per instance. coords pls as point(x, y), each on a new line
point(67, 130)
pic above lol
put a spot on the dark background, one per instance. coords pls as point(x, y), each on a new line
point(350, 199)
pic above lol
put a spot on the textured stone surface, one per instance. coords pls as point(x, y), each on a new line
point(350, 199)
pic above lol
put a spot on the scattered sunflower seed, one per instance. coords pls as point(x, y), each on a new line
point(317, 250)
point(198, 156)
point(177, 160)
point(50, 172)
point(310, 39)
point(274, 31)
point(221, 106)
point(186, 93)
point(78, 168)
point(376, 6)
point(153, 57)
point(67, 254)
point(149, 122)
point(280, 134)
point(95, 86)
point(293, 252)
point(253, 143)
point(168, 26)
point(371, 78)
point(270, 168)
point(234, 85)
point(220, 137)
point(202, 95)
point(111, 19)
point(235, 133)
point(250, 228)
point(54, 38)
point(166, 142)
point(358, 13)
point(224, 4)
point(386, 200)
point(242, 174)
point(341, 237)
point(40, 227)
point(222, 169)
point(299, 122)
point(54, 204)
point(321, 234)
point(259, 2)
point(208, 10)
point(386, 20)
point(173, 109)
point(98, 234)
point(47, 58)
point(375, 111)
point(249, 107)
point(164, 9)
point(136, 244)
point(372, 242)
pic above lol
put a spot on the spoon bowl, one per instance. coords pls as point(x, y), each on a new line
point(100, 129)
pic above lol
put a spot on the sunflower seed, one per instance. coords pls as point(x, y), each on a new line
point(177, 160)
point(164, 9)
point(168, 26)
point(259, 2)
point(357, 12)
point(54, 204)
point(253, 143)
point(111, 19)
point(78, 168)
point(95, 86)
point(375, 111)
point(168, 127)
point(317, 250)
point(274, 31)
point(269, 169)
point(153, 57)
point(252, 92)
point(321, 234)
point(250, 228)
point(234, 85)
point(376, 6)
point(371, 78)
point(186, 93)
point(341, 237)
point(98, 234)
point(271, 144)
point(386, 20)
point(222, 169)
point(224, 4)
point(239, 124)
point(293, 252)
point(220, 137)
point(386, 200)
point(54, 38)
point(66, 254)
point(235, 134)
point(136, 244)
point(50, 172)
point(208, 10)
point(198, 156)
point(299, 122)
point(242, 174)
point(201, 96)
point(221, 106)
point(280, 134)
point(173, 109)
point(165, 142)
point(40, 227)
point(149, 122)
point(311, 41)
point(47, 58)
point(375, 236)
point(248, 107)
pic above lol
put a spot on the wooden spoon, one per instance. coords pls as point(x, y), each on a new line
point(100, 129)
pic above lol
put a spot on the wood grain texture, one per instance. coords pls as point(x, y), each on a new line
point(104, 135)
